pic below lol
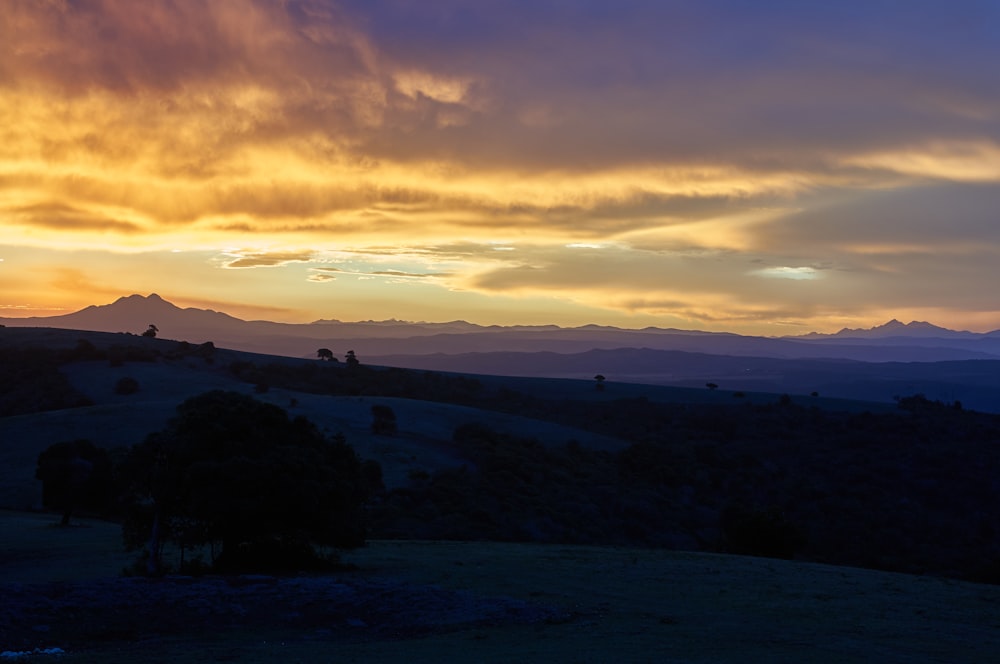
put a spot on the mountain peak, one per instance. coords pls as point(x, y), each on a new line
point(152, 302)
point(895, 328)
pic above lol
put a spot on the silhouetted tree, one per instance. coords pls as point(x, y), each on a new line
point(383, 420)
point(600, 382)
point(85, 350)
point(755, 532)
point(231, 469)
point(711, 386)
point(325, 354)
point(351, 359)
point(150, 331)
point(126, 385)
point(75, 474)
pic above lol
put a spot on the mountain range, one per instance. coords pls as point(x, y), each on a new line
point(878, 363)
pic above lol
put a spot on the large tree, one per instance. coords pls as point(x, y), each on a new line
point(232, 470)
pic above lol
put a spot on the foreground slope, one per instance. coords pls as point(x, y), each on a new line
point(486, 602)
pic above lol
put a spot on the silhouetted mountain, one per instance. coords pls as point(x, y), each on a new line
point(894, 329)
point(894, 341)
point(133, 314)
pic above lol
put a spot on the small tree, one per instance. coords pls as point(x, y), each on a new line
point(756, 532)
point(126, 385)
point(351, 359)
point(325, 354)
point(600, 382)
point(711, 386)
point(75, 474)
point(151, 331)
point(383, 420)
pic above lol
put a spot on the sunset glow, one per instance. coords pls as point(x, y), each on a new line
point(763, 168)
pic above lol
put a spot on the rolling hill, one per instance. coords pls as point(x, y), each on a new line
point(907, 488)
point(879, 364)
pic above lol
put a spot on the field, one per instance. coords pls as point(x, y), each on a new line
point(485, 602)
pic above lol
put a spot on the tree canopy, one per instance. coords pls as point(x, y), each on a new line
point(75, 474)
point(231, 469)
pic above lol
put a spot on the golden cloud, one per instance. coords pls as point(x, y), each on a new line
point(238, 259)
point(529, 164)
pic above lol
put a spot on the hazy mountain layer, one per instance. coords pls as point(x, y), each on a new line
point(893, 342)
point(879, 364)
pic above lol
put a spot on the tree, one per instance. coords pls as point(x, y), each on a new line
point(326, 354)
point(228, 468)
point(351, 359)
point(150, 331)
point(712, 386)
point(75, 474)
point(383, 420)
point(126, 385)
point(756, 532)
point(600, 382)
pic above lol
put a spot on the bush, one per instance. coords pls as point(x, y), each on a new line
point(383, 420)
point(755, 532)
point(126, 385)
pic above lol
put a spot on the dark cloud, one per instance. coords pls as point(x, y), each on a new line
point(543, 85)
point(169, 45)
point(933, 216)
point(765, 85)
point(62, 217)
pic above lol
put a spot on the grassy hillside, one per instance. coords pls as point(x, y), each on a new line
point(492, 602)
point(552, 464)
point(167, 376)
point(909, 489)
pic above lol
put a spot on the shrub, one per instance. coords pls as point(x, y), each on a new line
point(383, 420)
point(126, 385)
point(756, 532)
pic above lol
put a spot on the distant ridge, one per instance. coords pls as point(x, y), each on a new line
point(891, 342)
point(873, 364)
point(895, 328)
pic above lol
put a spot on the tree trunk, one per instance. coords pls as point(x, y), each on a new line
point(153, 564)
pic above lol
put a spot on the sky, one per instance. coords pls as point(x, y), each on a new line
point(763, 167)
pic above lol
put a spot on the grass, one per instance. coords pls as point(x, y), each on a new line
point(617, 604)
